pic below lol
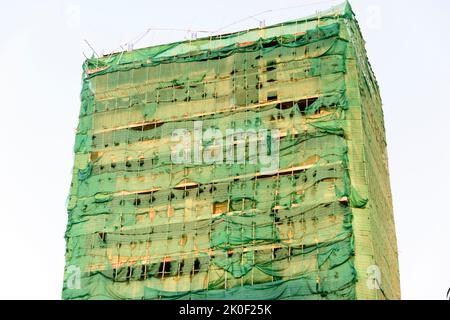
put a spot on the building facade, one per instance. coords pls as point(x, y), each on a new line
point(250, 165)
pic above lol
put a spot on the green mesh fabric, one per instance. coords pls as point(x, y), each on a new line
point(143, 227)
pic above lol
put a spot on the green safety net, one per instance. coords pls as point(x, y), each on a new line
point(143, 227)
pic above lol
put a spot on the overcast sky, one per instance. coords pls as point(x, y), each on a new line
point(41, 53)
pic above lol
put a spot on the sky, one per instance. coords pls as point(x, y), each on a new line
point(42, 49)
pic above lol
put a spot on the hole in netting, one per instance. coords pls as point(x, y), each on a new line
point(305, 103)
point(148, 126)
point(285, 105)
point(220, 207)
point(102, 236)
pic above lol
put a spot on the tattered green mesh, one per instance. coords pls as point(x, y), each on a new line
point(142, 227)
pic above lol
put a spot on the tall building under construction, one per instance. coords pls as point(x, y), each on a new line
point(317, 225)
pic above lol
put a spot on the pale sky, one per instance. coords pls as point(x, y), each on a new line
point(41, 53)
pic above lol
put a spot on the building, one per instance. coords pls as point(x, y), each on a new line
point(250, 165)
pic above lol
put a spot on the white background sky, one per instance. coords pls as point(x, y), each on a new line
point(41, 53)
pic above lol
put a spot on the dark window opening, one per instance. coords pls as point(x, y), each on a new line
point(102, 236)
point(164, 268)
point(285, 105)
point(305, 103)
point(272, 96)
point(271, 65)
point(276, 252)
point(129, 273)
point(148, 126)
point(196, 267)
point(114, 274)
point(143, 272)
point(180, 267)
